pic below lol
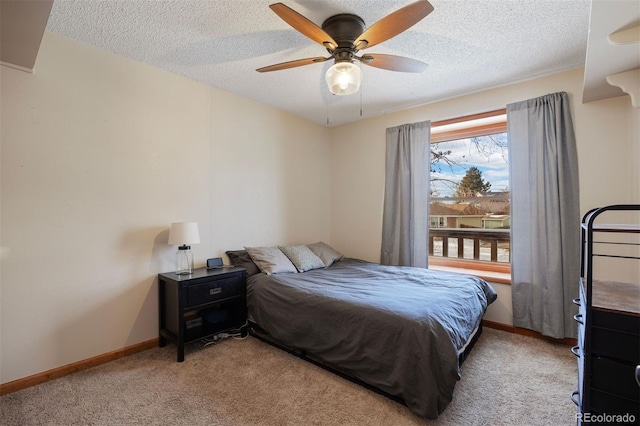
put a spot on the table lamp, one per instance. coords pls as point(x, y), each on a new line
point(183, 234)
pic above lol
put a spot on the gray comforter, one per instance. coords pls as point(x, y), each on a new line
point(399, 329)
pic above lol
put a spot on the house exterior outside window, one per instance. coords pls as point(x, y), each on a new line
point(469, 211)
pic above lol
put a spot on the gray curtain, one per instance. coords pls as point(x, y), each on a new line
point(545, 215)
point(406, 196)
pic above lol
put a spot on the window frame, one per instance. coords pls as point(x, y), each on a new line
point(487, 123)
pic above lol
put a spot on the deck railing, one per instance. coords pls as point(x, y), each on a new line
point(471, 243)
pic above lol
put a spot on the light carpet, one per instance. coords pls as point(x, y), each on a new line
point(508, 379)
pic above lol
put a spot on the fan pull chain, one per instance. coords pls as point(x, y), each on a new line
point(327, 113)
point(360, 100)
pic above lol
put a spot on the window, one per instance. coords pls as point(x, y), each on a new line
point(469, 223)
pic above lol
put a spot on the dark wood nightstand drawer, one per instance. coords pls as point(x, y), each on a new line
point(214, 290)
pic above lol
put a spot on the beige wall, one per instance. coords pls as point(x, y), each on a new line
point(634, 118)
point(99, 154)
point(607, 137)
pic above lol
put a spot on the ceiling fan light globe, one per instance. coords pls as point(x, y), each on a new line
point(343, 78)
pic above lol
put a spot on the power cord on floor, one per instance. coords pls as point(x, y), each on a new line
point(235, 333)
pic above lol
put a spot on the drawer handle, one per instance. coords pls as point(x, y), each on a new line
point(573, 395)
point(213, 291)
point(578, 318)
point(576, 351)
point(576, 301)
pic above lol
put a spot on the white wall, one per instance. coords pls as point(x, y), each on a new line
point(99, 154)
point(607, 138)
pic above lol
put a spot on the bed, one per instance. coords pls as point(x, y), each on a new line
point(399, 330)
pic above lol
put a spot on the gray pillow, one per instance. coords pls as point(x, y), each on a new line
point(325, 252)
point(241, 259)
point(270, 260)
point(302, 257)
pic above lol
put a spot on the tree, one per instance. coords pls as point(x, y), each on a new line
point(486, 146)
point(472, 183)
point(438, 159)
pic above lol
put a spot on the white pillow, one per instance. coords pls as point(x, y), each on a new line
point(325, 252)
point(302, 257)
point(270, 260)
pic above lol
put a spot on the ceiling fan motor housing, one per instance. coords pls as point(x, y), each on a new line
point(344, 28)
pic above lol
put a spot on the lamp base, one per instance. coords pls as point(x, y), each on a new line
point(184, 260)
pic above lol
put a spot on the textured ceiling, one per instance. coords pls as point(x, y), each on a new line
point(469, 45)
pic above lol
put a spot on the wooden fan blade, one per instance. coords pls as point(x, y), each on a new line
point(394, 63)
point(293, 64)
point(393, 24)
point(304, 25)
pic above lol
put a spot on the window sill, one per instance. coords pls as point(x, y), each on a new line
point(487, 271)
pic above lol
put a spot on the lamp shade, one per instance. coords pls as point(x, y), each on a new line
point(184, 233)
point(343, 78)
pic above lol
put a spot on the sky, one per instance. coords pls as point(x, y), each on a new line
point(493, 164)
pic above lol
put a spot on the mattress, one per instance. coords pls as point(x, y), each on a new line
point(399, 329)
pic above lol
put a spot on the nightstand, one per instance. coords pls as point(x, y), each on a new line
point(201, 304)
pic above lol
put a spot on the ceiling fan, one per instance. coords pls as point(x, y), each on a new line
point(344, 35)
